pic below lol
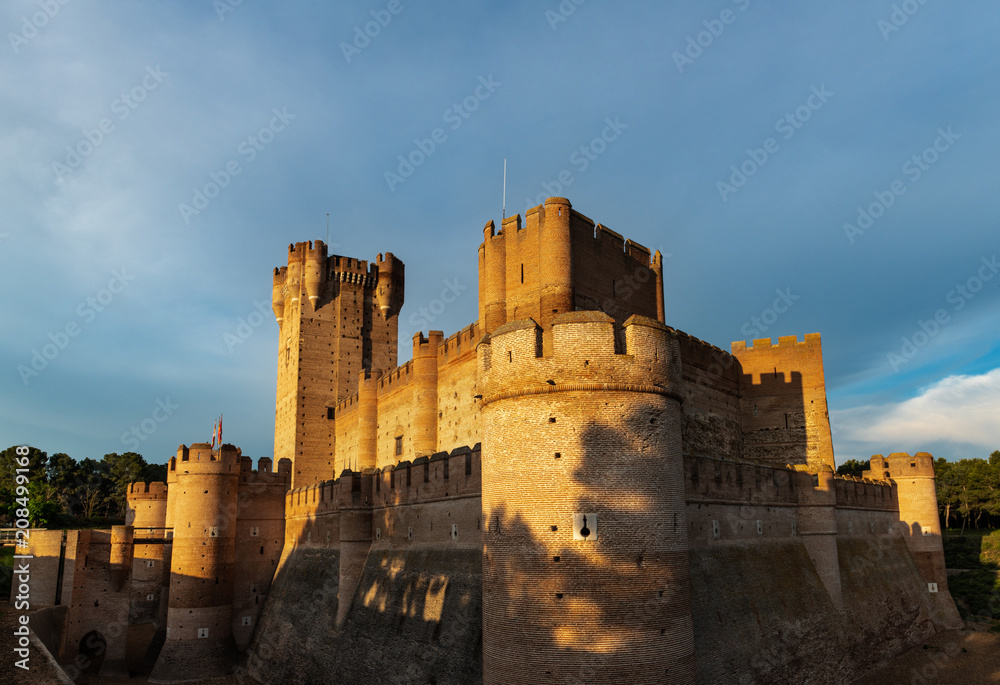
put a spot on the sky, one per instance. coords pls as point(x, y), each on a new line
point(803, 167)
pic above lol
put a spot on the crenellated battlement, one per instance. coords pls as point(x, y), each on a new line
point(585, 355)
point(745, 483)
point(901, 465)
point(265, 474)
point(200, 458)
point(559, 261)
point(810, 341)
point(152, 490)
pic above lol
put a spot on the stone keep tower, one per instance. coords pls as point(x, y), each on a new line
point(203, 507)
point(585, 557)
point(337, 318)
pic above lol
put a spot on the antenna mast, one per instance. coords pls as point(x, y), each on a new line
point(504, 210)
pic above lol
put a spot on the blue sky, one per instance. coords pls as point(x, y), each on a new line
point(158, 158)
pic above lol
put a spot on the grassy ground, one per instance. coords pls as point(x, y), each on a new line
point(977, 589)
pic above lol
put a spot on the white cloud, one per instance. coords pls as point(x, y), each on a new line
point(964, 410)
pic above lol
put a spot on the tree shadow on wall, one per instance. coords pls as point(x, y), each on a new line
point(614, 609)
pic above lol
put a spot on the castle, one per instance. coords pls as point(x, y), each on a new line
point(565, 491)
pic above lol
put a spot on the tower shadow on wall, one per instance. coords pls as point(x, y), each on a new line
point(774, 418)
point(619, 603)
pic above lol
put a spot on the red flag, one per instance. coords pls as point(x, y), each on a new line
point(220, 430)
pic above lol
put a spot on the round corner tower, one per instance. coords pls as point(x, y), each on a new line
point(585, 556)
point(914, 478)
point(202, 511)
point(147, 514)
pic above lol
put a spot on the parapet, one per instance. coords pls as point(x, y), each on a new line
point(810, 341)
point(901, 465)
point(201, 458)
point(585, 356)
point(140, 490)
point(734, 482)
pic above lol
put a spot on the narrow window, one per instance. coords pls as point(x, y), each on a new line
point(468, 464)
point(522, 273)
point(446, 462)
point(399, 445)
point(427, 472)
point(408, 476)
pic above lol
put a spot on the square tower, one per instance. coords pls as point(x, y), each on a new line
point(337, 316)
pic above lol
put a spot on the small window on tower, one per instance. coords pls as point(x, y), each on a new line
point(399, 445)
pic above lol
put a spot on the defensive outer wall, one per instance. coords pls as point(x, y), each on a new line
point(566, 490)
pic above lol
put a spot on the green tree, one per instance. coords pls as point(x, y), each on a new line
point(40, 497)
point(852, 467)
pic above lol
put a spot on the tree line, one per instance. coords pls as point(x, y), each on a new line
point(968, 490)
point(65, 492)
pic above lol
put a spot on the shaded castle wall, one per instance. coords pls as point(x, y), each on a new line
point(260, 534)
point(785, 417)
point(98, 602)
point(414, 601)
point(711, 389)
point(763, 608)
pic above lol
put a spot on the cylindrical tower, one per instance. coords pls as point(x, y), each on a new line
point(492, 279)
point(314, 276)
point(199, 616)
point(425, 398)
point(293, 276)
point(389, 289)
point(147, 514)
point(658, 272)
point(817, 520)
point(278, 293)
point(919, 519)
point(367, 420)
point(555, 261)
point(585, 563)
